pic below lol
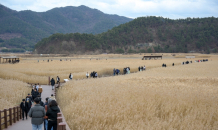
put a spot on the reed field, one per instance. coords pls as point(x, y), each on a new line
point(179, 97)
point(12, 92)
point(29, 70)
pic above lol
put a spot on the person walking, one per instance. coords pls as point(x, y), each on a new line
point(35, 94)
point(46, 118)
point(70, 76)
point(40, 101)
point(52, 83)
point(96, 75)
point(87, 75)
point(24, 108)
point(40, 90)
point(37, 114)
point(37, 86)
point(32, 90)
point(127, 70)
point(58, 80)
point(114, 71)
point(29, 100)
point(52, 115)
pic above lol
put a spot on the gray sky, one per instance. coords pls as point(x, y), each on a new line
point(130, 8)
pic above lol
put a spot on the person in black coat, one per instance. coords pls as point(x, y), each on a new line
point(35, 94)
point(29, 100)
point(32, 91)
point(52, 115)
point(24, 107)
point(40, 101)
point(52, 83)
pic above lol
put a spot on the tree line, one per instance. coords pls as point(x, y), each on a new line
point(181, 35)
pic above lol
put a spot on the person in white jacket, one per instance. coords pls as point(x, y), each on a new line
point(87, 75)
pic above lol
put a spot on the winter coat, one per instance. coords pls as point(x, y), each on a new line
point(24, 108)
point(32, 91)
point(52, 82)
point(37, 113)
point(52, 113)
point(40, 90)
point(42, 103)
point(35, 94)
point(29, 101)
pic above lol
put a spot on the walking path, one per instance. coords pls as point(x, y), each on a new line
point(26, 124)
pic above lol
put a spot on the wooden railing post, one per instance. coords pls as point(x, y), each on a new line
point(62, 126)
point(14, 114)
point(59, 114)
point(17, 114)
point(0, 120)
point(10, 115)
point(5, 117)
point(59, 120)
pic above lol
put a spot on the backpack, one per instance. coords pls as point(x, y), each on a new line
point(41, 103)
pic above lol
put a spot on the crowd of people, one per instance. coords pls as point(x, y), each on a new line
point(94, 74)
point(126, 70)
point(40, 112)
point(204, 60)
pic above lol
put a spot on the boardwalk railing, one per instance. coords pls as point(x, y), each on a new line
point(9, 116)
point(61, 124)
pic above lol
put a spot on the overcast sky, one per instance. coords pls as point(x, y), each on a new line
point(130, 8)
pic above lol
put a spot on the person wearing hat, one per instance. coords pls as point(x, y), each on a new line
point(24, 108)
point(29, 100)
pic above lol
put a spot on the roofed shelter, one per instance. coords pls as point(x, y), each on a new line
point(150, 57)
point(10, 59)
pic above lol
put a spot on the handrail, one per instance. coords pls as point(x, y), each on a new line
point(10, 116)
point(61, 124)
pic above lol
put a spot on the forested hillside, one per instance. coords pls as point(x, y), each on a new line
point(21, 30)
point(145, 34)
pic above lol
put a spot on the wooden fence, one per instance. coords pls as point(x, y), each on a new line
point(10, 116)
point(61, 125)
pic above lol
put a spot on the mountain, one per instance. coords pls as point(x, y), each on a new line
point(21, 30)
point(145, 34)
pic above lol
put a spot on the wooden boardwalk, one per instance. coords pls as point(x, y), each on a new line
point(26, 124)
